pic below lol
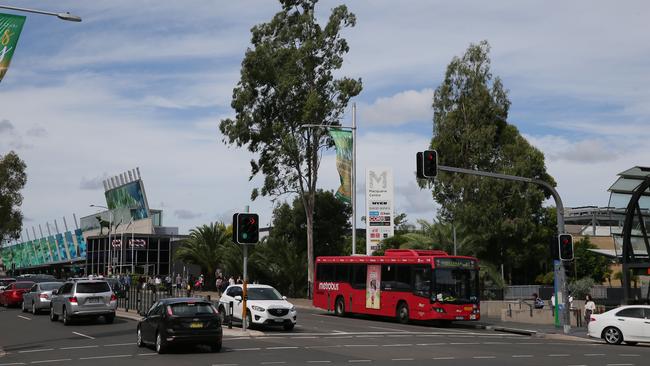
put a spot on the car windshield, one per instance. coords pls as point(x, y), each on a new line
point(191, 308)
point(92, 287)
point(49, 286)
point(263, 293)
point(23, 285)
point(455, 285)
point(6, 282)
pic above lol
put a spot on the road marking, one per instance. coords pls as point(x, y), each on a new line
point(430, 344)
point(339, 337)
point(37, 350)
point(283, 347)
point(361, 345)
point(620, 364)
point(24, 317)
point(386, 328)
point(100, 357)
point(482, 357)
point(464, 343)
point(401, 359)
point(79, 347)
point(303, 337)
point(397, 345)
point(367, 336)
point(351, 361)
point(558, 355)
point(48, 361)
point(118, 344)
point(246, 349)
point(497, 343)
point(628, 355)
point(272, 362)
point(147, 354)
point(521, 356)
point(444, 358)
point(225, 364)
point(319, 361)
point(83, 335)
point(334, 346)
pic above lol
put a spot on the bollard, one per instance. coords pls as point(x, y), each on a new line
point(230, 314)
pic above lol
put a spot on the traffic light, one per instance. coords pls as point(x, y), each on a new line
point(418, 163)
point(429, 163)
point(246, 228)
point(565, 242)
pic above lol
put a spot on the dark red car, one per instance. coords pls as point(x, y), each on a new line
point(13, 294)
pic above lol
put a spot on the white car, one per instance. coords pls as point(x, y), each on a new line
point(629, 324)
point(265, 306)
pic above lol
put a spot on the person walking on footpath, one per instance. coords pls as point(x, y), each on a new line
point(231, 281)
point(590, 308)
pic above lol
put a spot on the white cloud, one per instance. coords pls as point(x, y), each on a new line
point(400, 108)
point(187, 214)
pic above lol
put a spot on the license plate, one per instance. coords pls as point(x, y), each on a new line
point(196, 325)
point(93, 300)
point(460, 317)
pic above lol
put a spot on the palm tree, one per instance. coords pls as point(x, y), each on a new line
point(205, 248)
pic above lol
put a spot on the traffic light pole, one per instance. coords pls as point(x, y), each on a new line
point(566, 317)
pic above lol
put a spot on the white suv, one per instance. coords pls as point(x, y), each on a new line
point(265, 306)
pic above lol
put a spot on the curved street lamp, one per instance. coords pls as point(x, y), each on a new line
point(63, 16)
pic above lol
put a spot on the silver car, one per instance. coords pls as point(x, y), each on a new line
point(39, 296)
point(85, 298)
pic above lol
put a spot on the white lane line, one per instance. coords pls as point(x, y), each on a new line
point(283, 347)
point(83, 335)
point(333, 346)
point(225, 364)
point(100, 357)
point(247, 349)
point(594, 354)
point(361, 345)
point(24, 317)
point(37, 350)
point(397, 345)
point(558, 355)
point(430, 344)
point(48, 361)
point(338, 331)
point(353, 361)
point(522, 356)
point(464, 343)
point(303, 337)
point(79, 347)
point(444, 358)
point(386, 328)
point(147, 354)
point(497, 343)
point(628, 355)
point(482, 357)
point(398, 335)
point(367, 336)
point(338, 337)
point(119, 344)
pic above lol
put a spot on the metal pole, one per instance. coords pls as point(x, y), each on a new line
point(245, 286)
point(560, 222)
point(62, 16)
point(354, 179)
point(453, 228)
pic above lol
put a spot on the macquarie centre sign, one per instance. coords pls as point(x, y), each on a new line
point(379, 207)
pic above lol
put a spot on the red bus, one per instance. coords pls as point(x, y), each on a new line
point(406, 284)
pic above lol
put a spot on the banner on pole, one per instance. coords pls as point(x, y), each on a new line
point(10, 28)
point(343, 142)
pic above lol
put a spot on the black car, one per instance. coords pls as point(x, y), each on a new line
point(180, 321)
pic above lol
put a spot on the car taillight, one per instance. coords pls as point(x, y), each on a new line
point(113, 297)
point(73, 300)
point(43, 296)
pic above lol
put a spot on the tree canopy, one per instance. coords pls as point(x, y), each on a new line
point(287, 81)
point(12, 181)
point(470, 130)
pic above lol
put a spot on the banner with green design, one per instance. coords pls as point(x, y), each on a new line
point(343, 142)
point(10, 28)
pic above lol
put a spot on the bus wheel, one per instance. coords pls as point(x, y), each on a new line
point(339, 308)
point(403, 313)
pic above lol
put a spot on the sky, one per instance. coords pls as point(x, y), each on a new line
point(145, 84)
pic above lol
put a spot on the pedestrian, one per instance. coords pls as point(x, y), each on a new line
point(218, 284)
point(590, 308)
point(553, 304)
point(538, 302)
point(239, 280)
point(231, 281)
point(179, 281)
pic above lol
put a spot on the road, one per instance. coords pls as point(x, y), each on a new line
point(320, 338)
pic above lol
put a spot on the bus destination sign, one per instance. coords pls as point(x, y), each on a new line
point(455, 263)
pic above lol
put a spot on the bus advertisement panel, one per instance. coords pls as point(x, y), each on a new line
point(406, 284)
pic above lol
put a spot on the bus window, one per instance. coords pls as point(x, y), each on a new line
point(358, 278)
point(387, 276)
point(342, 273)
point(325, 273)
point(403, 277)
point(422, 281)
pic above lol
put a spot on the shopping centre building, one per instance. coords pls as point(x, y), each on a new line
point(127, 236)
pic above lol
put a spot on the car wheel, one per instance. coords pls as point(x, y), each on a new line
point(22, 307)
point(53, 317)
point(161, 347)
point(613, 335)
point(109, 318)
point(65, 317)
point(249, 319)
point(339, 307)
point(222, 315)
point(34, 311)
point(216, 347)
point(288, 326)
point(631, 343)
point(139, 342)
point(403, 313)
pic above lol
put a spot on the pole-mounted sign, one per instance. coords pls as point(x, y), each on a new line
point(10, 28)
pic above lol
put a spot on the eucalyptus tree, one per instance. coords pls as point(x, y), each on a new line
point(12, 181)
point(287, 81)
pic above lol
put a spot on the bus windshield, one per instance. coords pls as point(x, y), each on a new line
point(455, 286)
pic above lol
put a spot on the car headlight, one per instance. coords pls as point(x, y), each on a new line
point(293, 308)
point(257, 308)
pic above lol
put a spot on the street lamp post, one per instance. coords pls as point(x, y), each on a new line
point(63, 16)
point(353, 182)
point(110, 225)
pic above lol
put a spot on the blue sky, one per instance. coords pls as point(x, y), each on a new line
point(145, 83)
